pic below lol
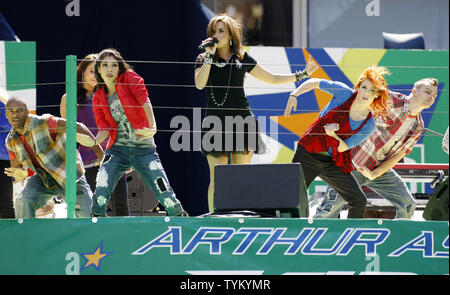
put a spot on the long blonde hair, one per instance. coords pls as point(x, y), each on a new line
point(235, 29)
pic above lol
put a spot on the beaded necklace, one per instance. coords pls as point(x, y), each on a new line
point(213, 98)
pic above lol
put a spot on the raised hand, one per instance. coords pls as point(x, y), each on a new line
point(210, 49)
point(311, 66)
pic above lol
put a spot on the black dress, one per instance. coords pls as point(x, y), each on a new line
point(229, 124)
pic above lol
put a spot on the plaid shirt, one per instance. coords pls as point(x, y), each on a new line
point(51, 155)
point(370, 153)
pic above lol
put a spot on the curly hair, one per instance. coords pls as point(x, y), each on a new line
point(375, 75)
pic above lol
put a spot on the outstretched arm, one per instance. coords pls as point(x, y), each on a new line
point(102, 135)
point(265, 75)
point(383, 167)
point(16, 170)
point(86, 138)
point(306, 86)
point(84, 135)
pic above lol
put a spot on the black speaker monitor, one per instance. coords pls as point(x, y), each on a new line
point(274, 189)
point(437, 206)
point(141, 199)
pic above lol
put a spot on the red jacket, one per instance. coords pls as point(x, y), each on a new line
point(133, 94)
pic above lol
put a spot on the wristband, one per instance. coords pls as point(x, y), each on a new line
point(208, 59)
point(300, 75)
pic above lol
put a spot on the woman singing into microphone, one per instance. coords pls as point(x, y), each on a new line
point(221, 70)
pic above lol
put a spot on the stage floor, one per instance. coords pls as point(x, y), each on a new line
point(60, 211)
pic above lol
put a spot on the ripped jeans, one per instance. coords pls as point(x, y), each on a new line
point(118, 159)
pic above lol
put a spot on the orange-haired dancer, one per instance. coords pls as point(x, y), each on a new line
point(346, 121)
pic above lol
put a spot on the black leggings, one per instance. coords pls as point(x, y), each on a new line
point(346, 185)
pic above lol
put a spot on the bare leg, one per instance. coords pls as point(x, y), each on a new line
point(212, 162)
point(241, 157)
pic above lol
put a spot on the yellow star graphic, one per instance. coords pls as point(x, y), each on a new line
point(95, 258)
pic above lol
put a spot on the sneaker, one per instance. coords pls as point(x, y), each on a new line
point(183, 214)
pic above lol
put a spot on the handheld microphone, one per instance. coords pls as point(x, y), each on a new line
point(207, 44)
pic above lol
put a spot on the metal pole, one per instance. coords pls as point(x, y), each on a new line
point(300, 23)
point(71, 130)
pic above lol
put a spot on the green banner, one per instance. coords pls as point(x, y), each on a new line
point(183, 246)
point(18, 72)
point(21, 65)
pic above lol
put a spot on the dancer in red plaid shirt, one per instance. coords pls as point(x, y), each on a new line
point(392, 139)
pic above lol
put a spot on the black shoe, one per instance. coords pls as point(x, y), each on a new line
point(99, 215)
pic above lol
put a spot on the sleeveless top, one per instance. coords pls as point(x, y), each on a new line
point(85, 115)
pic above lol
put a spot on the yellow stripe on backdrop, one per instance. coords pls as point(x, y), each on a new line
point(356, 60)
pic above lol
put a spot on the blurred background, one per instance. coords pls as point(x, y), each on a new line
point(337, 23)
